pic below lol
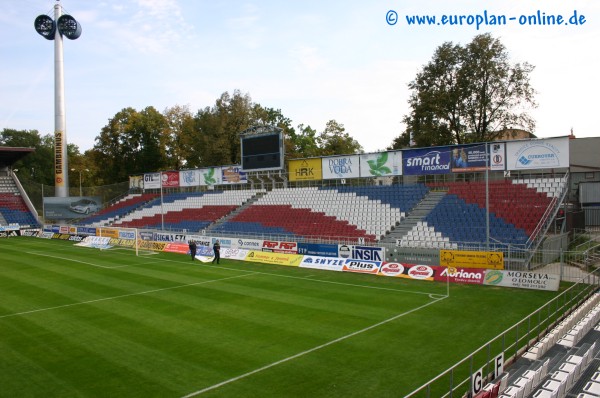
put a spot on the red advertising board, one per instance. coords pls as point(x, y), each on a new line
point(276, 246)
point(170, 179)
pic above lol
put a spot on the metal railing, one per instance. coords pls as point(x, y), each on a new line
point(512, 342)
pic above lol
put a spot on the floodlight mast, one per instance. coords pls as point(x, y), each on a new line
point(54, 30)
point(61, 161)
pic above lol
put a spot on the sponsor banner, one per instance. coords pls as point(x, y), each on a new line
point(61, 236)
point(381, 164)
point(170, 179)
point(368, 253)
point(71, 207)
point(145, 235)
point(345, 251)
point(95, 242)
point(305, 170)
point(149, 245)
point(256, 256)
point(460, 275)
point(86, 231)
point(522, 279)
point(60, 150)
point(426, 161)
point(223, 242)
point(200, 240)
point(469, 158)
point(30, 232)
point(318, 249)
point(408, 271)
point(11, 227)
point(76, 238)
point(8, 234)
point(211, 176)
point(341, 167)
point(472, 259)
point(46, 235)
point(122, 242)
point(130, 235)
point(177, 247)
point(72, 230)
point(276, 246)
point(391, 269)
point(64, 229)
point(497, 156)
point(324, 263)
point(152, 181)
point(250, 244)
point(136, 182)
point(234, 254)
point(537, 154)
point(362, 266)
point(189, 178)
point(109, 232)
point(233, 175)
point(168, 237)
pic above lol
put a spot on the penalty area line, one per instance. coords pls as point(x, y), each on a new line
point(300, 354)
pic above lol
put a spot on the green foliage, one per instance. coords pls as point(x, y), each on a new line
point(466, 94)
point(377, 167)
point(209, 177)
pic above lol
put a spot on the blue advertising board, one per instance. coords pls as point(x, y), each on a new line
point(318, 249)
point(426, 161)
point(469, 158)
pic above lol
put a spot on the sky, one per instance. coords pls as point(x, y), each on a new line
point(349, 60)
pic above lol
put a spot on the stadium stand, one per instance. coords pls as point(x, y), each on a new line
point(13, 209)
point(364, 213)
point(119, 209)
point(190, 211)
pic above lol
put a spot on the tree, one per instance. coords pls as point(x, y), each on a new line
point(468, 94)
point(37, 166)
point(334, 140)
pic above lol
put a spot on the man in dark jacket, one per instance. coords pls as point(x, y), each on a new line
point(217, 250)
point(193, 247)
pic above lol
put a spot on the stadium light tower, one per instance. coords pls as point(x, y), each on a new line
point(48, 27)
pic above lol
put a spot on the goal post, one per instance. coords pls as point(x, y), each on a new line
point(122, 237)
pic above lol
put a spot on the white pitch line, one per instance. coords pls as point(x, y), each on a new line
point(271, 365)
point(75, 261)
point(121, 296)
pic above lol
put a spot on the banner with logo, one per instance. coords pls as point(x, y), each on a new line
point(249, 244)
point(233, 175)
point(211, 176)
point(276, 246)
point(152, 181)
point(469, 158)
point(381, 164)
point(256, 256)
point(170, 179)
point(189, 178)
point(538, 154)
point(472, 259)
point(497, 156)
point(369, 253)
point(361, 266)
point(136, 182)
point(426, 161)
point(474, 276)
point(234, 254)
point(318, 249)
point(522, 279)
point(322, 263)
point(341, 167)
point(305, 169)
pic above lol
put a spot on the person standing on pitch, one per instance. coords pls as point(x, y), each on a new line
point(193, 247)
point(217, 250)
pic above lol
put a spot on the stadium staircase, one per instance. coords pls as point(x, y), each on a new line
point(215, 226)
point(415, 217)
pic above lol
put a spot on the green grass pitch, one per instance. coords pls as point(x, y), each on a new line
point(79, 322)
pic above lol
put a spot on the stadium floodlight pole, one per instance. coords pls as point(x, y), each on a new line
point(80, 191)
point(47, 27)
point(487, 196)
point(162, 212)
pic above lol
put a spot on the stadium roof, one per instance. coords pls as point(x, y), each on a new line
point(9, 155)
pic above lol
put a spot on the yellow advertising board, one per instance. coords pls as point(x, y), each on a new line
point(474, 259)
point(109, 232)
point(256, 256)
point(305, 169)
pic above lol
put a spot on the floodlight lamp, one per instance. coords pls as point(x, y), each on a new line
point(45, 26)
point(68, 26)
